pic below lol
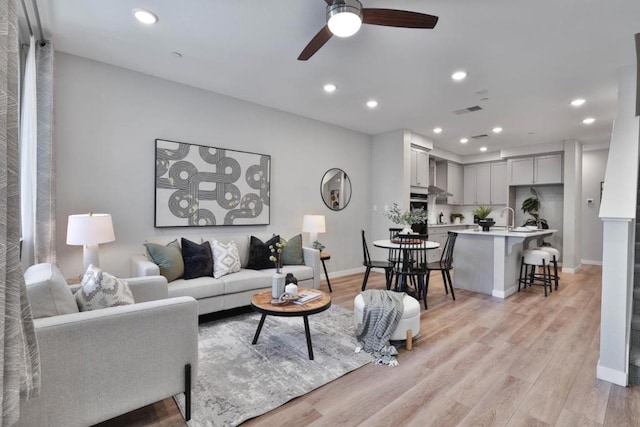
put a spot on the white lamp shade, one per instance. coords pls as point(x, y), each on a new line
point(313, 224)
point(90, 229)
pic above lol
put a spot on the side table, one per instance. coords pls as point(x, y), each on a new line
point(325, 256)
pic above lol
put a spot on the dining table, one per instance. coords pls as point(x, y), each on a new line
point(406, 256)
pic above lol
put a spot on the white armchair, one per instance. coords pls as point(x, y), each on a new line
point(99, 364)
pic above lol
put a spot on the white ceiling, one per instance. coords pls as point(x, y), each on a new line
point(529, 58)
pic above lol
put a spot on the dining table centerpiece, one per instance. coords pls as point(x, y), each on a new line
point(406, 218)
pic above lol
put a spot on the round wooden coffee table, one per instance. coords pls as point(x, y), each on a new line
point(261, 302)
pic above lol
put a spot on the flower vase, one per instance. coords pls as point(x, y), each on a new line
point(277, 285)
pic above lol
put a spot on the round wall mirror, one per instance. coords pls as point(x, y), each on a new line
point(335, 189)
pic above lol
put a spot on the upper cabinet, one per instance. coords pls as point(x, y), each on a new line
point(419, 168)
point(449, 177)
point(535, 170)
point(485, 184)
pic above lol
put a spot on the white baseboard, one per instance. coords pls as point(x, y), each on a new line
point(590, 262)
point(612, 375)
point(503, 294)
point(342, 273)
point(571, 270)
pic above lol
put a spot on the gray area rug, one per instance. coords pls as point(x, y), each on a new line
point(238, 381)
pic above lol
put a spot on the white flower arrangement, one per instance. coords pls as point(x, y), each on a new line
point(409, 217)
point(276, 255)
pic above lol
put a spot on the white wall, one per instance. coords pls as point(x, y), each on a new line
point(107, 119)
point(572, 206)
point(593, 167)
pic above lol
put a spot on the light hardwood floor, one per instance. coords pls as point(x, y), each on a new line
point(524, 361)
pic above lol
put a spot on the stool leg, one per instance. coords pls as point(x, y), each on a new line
point(555, 270)
point(409, 344)
point(521, 278)
point(532, 275)
point(550, 280)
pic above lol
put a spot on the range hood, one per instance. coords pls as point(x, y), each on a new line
point(432, 190)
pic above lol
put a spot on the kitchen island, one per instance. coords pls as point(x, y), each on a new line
point(489, 261)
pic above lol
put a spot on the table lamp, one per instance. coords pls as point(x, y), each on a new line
point(313, 224)
point(90, 230)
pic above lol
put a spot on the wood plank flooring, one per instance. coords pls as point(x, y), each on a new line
point(480, 361)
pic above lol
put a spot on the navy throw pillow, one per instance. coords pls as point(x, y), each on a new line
point(198, 259)
point(259, 253)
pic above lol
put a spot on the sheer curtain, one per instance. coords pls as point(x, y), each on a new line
point(37, 157)
point(20, 375)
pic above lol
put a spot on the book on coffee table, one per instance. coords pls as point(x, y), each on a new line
point(305, 297)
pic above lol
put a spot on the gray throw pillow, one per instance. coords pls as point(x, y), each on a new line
point(102, 290)
point(48, 292)
point(168, 258)
point(292, 253)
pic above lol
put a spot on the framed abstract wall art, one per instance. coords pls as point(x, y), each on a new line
point(200, 186)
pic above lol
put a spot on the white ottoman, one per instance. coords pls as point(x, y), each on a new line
point(410, 320)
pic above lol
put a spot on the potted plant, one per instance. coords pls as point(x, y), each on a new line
point(456, 218)
point(482, 213)
point(406, 218)
point(531, 206)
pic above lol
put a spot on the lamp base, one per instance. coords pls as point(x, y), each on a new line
point(90, 256)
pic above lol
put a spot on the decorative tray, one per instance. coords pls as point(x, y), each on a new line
point(406, 241)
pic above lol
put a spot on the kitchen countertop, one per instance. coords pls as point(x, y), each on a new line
point(449, 225)
point(502, 231)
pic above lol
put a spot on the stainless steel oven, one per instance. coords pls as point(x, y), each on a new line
point(419, 201)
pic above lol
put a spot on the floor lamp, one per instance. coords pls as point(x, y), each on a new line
point(89, 230)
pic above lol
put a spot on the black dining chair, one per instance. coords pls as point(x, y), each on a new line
point(386, 265)
point(410, 269)
point(444, 266)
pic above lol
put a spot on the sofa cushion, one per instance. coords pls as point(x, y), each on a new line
point(292, 253)
point(48, 292)
point(199, 288)
point(226, 259)
point(259, 253)
point(168, 258)
point(100, 289)
point(247, 280)
point(198, 259)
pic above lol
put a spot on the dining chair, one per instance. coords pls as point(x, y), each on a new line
point(412, 259)
point(444, 266)
point(386, 265)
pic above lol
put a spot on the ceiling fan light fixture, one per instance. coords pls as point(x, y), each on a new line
point(344, 19)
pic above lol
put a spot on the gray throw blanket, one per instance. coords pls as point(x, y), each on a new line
point(381, 315)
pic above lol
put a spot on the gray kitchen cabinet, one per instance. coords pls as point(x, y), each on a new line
point(545, 169)
point(419, 168)
point(499, 187)
point(477, 184)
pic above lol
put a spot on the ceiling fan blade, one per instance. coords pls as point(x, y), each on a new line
point(316, 43)
point(398, 18)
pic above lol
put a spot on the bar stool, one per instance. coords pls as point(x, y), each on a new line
point(555, 254)
point(531, 259)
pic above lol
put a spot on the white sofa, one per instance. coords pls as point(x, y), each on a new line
point(235, 289)
point(100, 364)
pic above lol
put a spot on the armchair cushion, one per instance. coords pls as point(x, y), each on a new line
point(48, 292)
point(102, 290)
point(168, 258)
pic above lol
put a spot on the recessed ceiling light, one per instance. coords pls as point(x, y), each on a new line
point(588, 120)
point(458, 75)
point(497, 129)
point(372, 104)
point(483, 149)
point(464, 140)
point(145, 16)
point(578, 102)
point(329, 87)
point(437, 130)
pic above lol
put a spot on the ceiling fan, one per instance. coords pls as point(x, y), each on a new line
point(344, 18)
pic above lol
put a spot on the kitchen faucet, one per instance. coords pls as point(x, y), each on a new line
point(513, 217)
